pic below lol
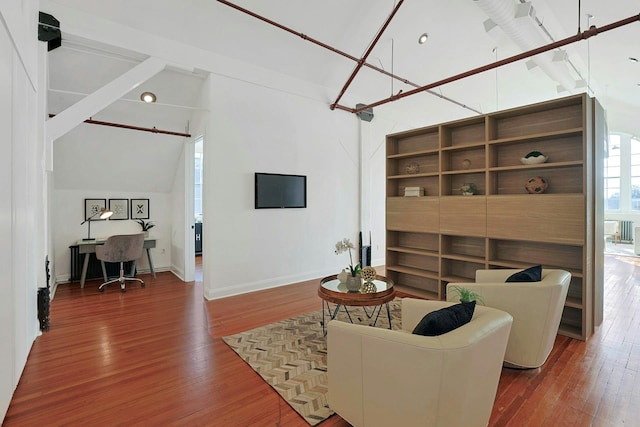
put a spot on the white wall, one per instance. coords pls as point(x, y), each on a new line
point(22, 239)
point(177, 201)
point(68, 213)
point(253, 128)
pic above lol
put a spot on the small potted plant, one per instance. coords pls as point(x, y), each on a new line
point(468, 189)
point(145, 226)
point(467, 295)
point(354, 281)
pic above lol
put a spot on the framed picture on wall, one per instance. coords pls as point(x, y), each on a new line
point(120, 208)
point(92, 207)
point(139, 208)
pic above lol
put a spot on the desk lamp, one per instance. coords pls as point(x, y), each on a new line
point(104, 214)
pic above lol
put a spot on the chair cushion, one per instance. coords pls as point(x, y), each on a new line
point(531, 274)
point(445, 320)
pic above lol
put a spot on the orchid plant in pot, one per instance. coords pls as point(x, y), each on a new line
point(354, 281)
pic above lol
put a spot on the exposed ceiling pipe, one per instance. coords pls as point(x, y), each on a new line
point(123, 126)
point(362, 60)
point(517, 20)
point(592, 31)
point(344, 54)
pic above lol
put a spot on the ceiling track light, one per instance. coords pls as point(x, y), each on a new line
point(148, 97)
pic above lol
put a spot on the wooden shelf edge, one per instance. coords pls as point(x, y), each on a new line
point(457, 279)
point(466, 258)
point(410, 154)
point(463, 171)
point(571, 332)
point(415, 251)
point(413, 271)
point(415, 175)
point(465, 146)
point(538, 166)
point(574, 303)
point(421, 293)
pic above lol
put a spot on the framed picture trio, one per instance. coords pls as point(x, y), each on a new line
point(121, 208)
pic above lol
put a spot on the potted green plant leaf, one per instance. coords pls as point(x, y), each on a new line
point(467, 295)
point(468, 189)
point(145, 226)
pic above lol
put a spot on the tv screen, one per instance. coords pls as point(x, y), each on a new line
point(277, 191)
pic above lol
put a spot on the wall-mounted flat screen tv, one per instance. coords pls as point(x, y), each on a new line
point(277, 191)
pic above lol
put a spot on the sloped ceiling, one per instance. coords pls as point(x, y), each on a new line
point(457, 43)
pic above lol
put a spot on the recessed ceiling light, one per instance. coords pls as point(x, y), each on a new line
point(632, 59)
point(148, 97)
point(423, 38)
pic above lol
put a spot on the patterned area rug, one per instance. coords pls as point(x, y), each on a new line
point(291, 356)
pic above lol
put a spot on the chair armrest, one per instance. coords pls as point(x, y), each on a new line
point(379, 377)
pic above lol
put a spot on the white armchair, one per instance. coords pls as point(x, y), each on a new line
point(536, 308)
point(379, 377)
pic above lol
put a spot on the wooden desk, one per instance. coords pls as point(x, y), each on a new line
point(88, 247)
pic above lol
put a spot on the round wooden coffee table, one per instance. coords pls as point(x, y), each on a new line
point(331, 291)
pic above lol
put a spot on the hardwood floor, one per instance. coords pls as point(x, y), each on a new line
point(153, 356)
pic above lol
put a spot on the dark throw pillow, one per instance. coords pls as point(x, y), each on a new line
point(531, 274)
point(445, 320)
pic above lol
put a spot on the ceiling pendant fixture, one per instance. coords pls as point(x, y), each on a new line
point(148, 97)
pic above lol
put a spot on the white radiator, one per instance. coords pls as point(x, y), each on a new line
point(626, 231)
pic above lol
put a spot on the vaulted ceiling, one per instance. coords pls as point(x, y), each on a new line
point(458, 41)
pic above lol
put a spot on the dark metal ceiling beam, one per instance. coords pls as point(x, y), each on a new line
point(343, 54)
point(592, 31)
point(362, 60)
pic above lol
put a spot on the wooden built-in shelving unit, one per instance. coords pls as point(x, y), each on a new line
point(445, 237)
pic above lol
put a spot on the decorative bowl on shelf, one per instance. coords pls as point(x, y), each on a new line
point(413, 168)
point(533, 158)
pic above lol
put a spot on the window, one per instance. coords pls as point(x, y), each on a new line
point(612, 174)
point(635, 175)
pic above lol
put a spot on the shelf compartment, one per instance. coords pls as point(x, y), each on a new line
point(425, 244)
point(463, 133)
point(429, 182)
point(463, 160)
point(425, 164)
point(463, 248)
point(561, 180)
point(419, 214)
point(521, 254)
point(459, 271)
point(418, 263)
point(412, 271)
point(558, 150)
point(575, 294)
point(571, 323)
point(523, 265)
point(551, 116)
point(553, 218)
point(426, 287)
point(413, 141)
point(451, 183)
point(538, 137)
